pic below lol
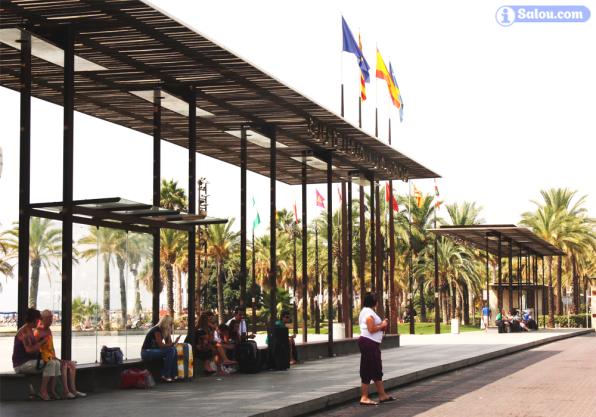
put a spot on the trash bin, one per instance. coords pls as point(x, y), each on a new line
point(339, 331)
point(454, 326)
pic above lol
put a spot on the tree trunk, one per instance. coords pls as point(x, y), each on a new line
point(121, 262)
point(453, 301)
point(550, 301)
point(138, 307)
point(105, 315)
point(170, 288)
point(178, 292)
point(466, 297)
point(559, 297)
point(422, 300)
point(311, 298)
point(458, 305)
point(220, 297)
point(575, 282)
point(34, 282)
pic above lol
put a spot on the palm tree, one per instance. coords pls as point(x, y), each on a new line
point(172, 197)
point(562, 220)
point(172, 244)
point(45, 245)
point(138, 251)
point(101, 242)
point(221, 242)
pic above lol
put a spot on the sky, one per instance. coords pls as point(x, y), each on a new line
point(499, 112)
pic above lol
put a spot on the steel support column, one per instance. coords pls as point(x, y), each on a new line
point(344, 262)
point(510, 266)
point(362, 244)
point(271, 133)
point(156, 201)
point(392, 295)
point(67, 194)
point(24, 178)
point(329, 257)
point(350, 260)
point(488, 278)
point(243, 167)
point(304, 256)
point(192, 209)
point(436, 286)
point(373, 264)
point(379, 252)
point(500, 273)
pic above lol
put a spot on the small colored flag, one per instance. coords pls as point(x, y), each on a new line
point(295, 213)
point(363, 81)
point(350, 45)
point(437, 202)
point(383, 74)
point(257, 219)
point(418, 196)
point(393, 200)
point(320, 200)
point(399, 99)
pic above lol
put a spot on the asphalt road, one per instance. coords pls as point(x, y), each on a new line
point(554, 380)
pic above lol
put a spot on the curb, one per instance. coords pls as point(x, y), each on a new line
point(352, 394)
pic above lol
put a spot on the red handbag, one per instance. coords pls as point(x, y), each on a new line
point(136, 378)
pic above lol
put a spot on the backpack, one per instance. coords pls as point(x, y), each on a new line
point(111, 356)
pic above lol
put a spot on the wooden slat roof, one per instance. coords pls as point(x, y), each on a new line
point(141, 48)
point(522, 239)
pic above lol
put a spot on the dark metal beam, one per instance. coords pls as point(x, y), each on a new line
point(373, 264)
point(510, 267)
point(304, 256)
point(272, 225)
point(24, 178)
point(488, 278)
point(329, 257)
point(192, 209)
point(350, 261)
point(243, 167)
point(156, 201)
point(67, 194)
point(345, 302)
point(362, 244)
point(379, 251)
point(499, 268)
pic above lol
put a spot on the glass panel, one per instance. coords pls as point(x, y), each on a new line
point(85, 301)
point(45, 284)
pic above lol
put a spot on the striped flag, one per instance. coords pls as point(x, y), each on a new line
point(257, 219)
point(418, 196)
point(320, 200)
point(295, 213)
point(362, 79)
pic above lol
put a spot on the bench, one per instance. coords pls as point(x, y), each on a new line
point(90, 378)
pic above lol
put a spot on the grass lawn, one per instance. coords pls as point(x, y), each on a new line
point(420, 328)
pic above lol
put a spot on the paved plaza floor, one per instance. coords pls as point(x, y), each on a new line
point(308, 387)
point(553, 380)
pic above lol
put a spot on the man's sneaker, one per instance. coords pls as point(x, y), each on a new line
point(80, 394)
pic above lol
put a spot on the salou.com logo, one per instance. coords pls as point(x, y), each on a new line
point(508, 15)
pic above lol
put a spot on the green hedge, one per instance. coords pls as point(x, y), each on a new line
point(575, 321)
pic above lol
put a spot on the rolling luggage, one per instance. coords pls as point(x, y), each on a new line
point(184, 359)
point(248, 358)
point(279, 348)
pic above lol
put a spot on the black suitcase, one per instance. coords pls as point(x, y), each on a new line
point(248, 359)
point(279, 348)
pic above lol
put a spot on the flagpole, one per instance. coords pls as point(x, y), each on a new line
point(437, 294)
point(254, 286)
point(376, 101)
point(317, 309)
point(360, 112)
point(341, 76)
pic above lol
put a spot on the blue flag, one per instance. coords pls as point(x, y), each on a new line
point(350, 45)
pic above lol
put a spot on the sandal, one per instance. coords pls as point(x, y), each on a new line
point(388, 399)
point(369, 403)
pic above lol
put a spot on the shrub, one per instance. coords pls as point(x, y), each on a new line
point(575, 321)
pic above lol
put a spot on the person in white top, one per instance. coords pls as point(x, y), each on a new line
point(242, 334)
point(371, 336)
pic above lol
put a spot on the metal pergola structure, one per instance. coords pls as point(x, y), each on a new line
point(128, 63)
point(510, 241)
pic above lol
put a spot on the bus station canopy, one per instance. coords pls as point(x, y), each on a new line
point(522, 240)
point(125, 49)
